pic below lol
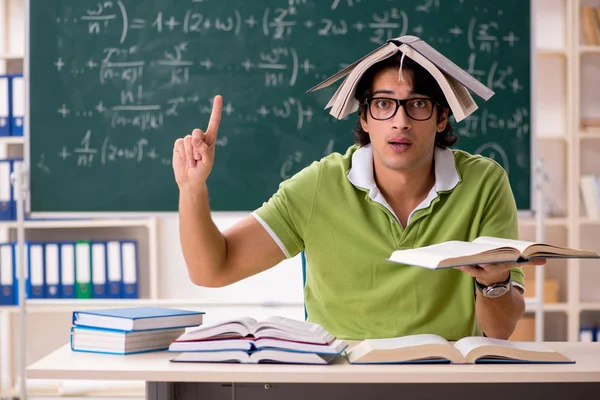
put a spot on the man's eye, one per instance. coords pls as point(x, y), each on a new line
point(383, 103)
point(418, 104)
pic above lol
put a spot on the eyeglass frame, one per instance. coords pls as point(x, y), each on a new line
point(400, 102)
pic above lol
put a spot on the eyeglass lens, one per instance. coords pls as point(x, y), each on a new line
point(385, 108)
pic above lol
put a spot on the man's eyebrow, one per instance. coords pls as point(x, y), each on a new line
point(383, 91)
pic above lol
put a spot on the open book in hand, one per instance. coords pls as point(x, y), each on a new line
point(429, 348)
point(483, 250)
point(271, 327)
point(454, 81)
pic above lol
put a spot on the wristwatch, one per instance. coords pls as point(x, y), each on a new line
point(495, 289)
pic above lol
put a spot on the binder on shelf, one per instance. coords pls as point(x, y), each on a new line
point(52, 272)
point(17, 254)
point(8, 284)
point(35, 270)
point(67, 269)
point(588, 334)
point(99, 273)
point(17, 104)
point(129, 258)
point(4, 106)
point(590, 194)
point(114, 269)
point(7, 206)
point(83, 270)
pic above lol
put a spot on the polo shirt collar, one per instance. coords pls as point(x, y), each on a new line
point(361, 175)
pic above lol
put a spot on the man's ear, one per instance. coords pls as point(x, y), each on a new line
point(363, 121)
point(442, 120)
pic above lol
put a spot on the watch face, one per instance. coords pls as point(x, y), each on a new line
point(496, 291)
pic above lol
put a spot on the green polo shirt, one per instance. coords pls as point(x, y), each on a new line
point(334, 211)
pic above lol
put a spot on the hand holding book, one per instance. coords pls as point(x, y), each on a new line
point(487, 274)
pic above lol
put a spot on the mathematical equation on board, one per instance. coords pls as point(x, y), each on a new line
point(137, 107)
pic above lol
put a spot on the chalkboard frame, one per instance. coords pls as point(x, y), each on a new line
point(27, 134)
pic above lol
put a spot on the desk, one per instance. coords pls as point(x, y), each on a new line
point(187, 381)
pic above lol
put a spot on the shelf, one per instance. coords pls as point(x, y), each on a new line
point(548, 221)
point(589, 49)
point(79, 223)
point(12, 140)
point(589, 221)
point(551, 136)
point(68, 305)
point(589, 135)
point(11, 56)
point(595, 306)
point(551, 52)
point(530, 306)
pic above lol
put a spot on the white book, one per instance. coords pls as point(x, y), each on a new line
point(483, 250)
point(454, 81)
point(430, 348)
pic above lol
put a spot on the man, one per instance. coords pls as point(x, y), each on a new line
point(399, 187)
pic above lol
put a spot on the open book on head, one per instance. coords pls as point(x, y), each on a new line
point(454, 81)
point(430, 348)
point(272, 327)
point(483, 250)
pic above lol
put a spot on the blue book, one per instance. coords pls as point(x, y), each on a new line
point(138, 318)
point(108, 341)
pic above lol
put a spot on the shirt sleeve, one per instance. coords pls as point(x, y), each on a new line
point(500, 220)
point(287, 214)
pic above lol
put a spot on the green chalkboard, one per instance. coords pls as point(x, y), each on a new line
point(114, 83)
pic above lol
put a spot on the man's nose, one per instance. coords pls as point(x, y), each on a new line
point(401, 120)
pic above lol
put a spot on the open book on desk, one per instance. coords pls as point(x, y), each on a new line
point(429, 348)
point(272, 327)
point(271, 356)
point(483, 250)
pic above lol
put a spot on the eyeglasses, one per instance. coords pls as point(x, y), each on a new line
point(382, 108)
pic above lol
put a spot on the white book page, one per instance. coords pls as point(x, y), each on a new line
point(405, 341)
point(520, 245)
point(465, 345)
point(247, 322)
point(433, 254)
point(289, 324)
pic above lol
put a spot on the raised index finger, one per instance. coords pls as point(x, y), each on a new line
point(215, 120)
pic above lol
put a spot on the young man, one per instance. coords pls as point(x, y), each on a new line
point(398, 187)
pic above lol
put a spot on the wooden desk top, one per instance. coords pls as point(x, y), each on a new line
point(66, 364)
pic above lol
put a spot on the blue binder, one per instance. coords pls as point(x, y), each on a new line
point(7, 206)
point(17, 104)
point(114, 269)
point(35, 270)
point(52, 270)
point(129, 261)
point(99, 270)
point(5, 117)
point(67, 269)
point(8, 285)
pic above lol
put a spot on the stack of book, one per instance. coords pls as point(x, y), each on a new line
point(246, 340)
point(130, 330)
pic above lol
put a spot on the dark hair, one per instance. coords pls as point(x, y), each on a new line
point(422, 83)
